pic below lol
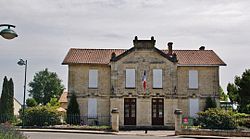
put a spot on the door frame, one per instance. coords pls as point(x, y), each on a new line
point(159, 119)
point(130, 103)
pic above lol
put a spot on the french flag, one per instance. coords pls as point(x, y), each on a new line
point(144, 80)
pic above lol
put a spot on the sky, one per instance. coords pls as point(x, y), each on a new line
point(47, 29)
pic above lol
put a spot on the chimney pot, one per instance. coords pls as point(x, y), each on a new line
point(170, 48)
point(202, 48)
point(136, 38)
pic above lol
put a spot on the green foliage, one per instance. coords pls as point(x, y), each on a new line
point(73, 112)
point(41, 116)
point(233, 92)
point(53, 102)
point(240, 91)
point(222, 94)
point(210, 103)
point(44, 86)
point(215, 118)
point(6, 101)
point(31, 102)
point(9, 132)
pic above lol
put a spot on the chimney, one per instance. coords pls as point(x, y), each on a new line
point(113, 56)
point(202, 48)
point(170, 48)
point(144, 44)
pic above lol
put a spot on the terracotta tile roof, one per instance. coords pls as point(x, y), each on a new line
point(103, 56)
point(63, 97)
point(90, 56)
point(197, 57)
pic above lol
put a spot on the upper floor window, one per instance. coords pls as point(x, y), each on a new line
point(93, 78)
point(193, 79)
point(157, 78)
point(130, 78)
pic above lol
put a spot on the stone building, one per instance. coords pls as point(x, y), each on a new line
point(145, 83)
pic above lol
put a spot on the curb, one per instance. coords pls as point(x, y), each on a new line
point(68, 131)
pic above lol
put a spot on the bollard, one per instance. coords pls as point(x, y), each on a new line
point(178, 120)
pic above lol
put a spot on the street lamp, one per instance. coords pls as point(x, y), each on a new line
point(21, 62)
point(8, 33)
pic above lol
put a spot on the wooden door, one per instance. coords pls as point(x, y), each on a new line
point(157, 111)
point(129, 111)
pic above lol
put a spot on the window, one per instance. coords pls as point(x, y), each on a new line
point(92, 108)
point(193, 107)
point(193, 79)
point(130, 78)
point(157, 78)
point(93, 78)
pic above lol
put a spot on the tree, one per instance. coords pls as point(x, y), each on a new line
point(233, 92)
point(31, 102)
point(4, 96)
point(240, 91)
point(223, 96)
point(7, 97)
point(11, 97)
point(73, 112)
point(210, 103)
point(44, 86)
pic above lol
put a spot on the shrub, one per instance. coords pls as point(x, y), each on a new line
point(41, 116)
point(215, 118)
point(31, 102)
point(243, 119)
point(8, 132)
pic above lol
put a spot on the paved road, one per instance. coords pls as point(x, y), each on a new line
point(48, 135)
point(53, 135)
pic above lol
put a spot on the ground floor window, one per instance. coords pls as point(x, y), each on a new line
point(92, 108)
point(193, 107)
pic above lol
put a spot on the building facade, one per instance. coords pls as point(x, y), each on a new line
point(145, 84)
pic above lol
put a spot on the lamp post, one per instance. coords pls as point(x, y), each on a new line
point(8, 33)
point(21, 62)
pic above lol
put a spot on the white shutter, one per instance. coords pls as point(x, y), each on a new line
point(193, 107)
point(93, 78)
point(157, 78)
point(92, 108)
point(130, 78)
point(193, 79)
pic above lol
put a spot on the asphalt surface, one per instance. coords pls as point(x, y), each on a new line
point(93, 134)
point(44, 135)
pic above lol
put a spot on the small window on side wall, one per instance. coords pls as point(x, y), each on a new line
point(130, 78)
point(93, 78)
point(157, 78)
point(193, 79)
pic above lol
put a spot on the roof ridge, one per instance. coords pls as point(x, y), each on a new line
point(128, 49)
point(96, 49)
point(184, 50)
